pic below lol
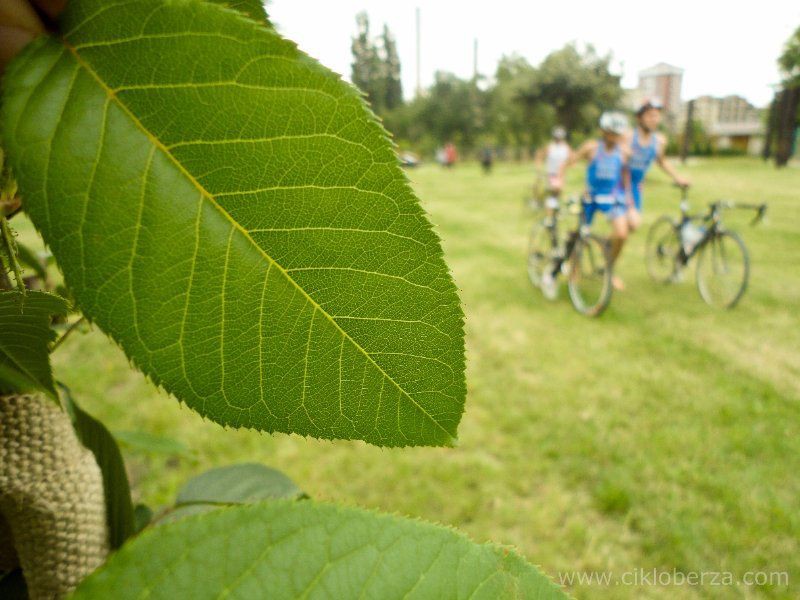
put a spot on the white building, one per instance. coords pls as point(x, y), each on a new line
point(730, 122)
point(664, 81)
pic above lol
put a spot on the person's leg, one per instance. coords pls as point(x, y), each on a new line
point(634, 213)
point(634, 218)
point(548, 281)
point(619, 234)
point(553, 191)
point(589, 208)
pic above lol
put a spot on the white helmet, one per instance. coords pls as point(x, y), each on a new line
point(614, 122)
point(559, 132)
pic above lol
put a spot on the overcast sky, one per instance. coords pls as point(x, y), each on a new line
point(725, 47)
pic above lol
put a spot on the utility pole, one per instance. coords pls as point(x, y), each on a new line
point(787, 125)
point(474, 93)
point(772, 121)
point(475, 60)
point(419, 76)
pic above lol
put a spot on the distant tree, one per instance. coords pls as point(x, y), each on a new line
point(788, 107)
point(452, 110)
point(787, 101)
point(699, 142)
point(770, 127)
point(578, 85)
point(517, 111)
point(392, 86)
point(514, 118)
point(789, 61)
point(366, 68)
point(376, 67)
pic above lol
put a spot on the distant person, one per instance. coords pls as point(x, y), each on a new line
point(552, 157)
point(486, 158)
point(450, 154)
point(646, 145)
point(607, 179)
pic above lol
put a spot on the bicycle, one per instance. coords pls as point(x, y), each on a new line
point(723, 263)
point(540, 196)
point(583, 257)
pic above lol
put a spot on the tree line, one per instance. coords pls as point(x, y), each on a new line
point(784, 111)
point(513, 110)
point(376, 67)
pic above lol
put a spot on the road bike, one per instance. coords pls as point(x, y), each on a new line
point(723, 263)
point(582, 257)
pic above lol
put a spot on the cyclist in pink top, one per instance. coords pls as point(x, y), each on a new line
point(552, 157)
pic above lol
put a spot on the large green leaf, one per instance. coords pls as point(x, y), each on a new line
point(116, 490)
point(284, 549)
point(252, 8)
point(230, 212)
point(25, 335)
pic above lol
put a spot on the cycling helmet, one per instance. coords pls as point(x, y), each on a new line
point(648, 103)
point(614, 122)
point(559, 132)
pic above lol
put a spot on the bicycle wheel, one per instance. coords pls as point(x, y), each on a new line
point(540, 251)
point(661, 251)
point(589, 275)
point(723, 268)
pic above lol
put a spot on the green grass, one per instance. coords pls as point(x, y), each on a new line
point(663, 435)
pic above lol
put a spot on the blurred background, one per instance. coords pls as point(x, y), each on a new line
point(502, 74)
point(665, 434)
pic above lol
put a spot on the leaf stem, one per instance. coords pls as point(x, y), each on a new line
point(64, 336)
point(5, 282)
point(11, 252)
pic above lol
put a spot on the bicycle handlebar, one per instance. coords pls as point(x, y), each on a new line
point(684, 188)
point(761, 209)
point(761, 212)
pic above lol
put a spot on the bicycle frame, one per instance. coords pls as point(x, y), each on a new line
point(710, 232)
point(712, 220)
point(572, 237)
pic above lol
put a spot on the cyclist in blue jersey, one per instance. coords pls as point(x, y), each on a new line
point(607, 179)
point(647, 146)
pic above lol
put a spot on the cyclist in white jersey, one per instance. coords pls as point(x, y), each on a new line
point(552, 158)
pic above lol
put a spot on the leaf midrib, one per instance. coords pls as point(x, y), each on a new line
point(209, 197)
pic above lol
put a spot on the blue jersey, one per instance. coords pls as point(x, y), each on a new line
point(642, 157)
point(604, 175)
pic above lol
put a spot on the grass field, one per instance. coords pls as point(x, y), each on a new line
point(663, 435)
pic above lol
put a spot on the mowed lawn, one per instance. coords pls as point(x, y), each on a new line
point(663, 435)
